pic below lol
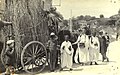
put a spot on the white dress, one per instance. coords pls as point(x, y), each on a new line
point(66, 55)
point(94, 50)
point(82, 52)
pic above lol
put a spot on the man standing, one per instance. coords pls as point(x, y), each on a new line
point(94, 49)
point(66, 54)
point(103, 47)
point(52, 47)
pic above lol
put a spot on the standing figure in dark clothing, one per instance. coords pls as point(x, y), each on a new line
point(107, 39)
point(74, 39)
point(88, 31)
point(9, 56)
point(103, 46)
point(52, 47)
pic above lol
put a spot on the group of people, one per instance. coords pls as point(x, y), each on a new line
point(87, 51)
point(89, 47)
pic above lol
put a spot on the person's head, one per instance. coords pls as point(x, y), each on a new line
point(101, 16)
point(101, 33)
point(66, 37)
point(10, 43)
point(94, 34)
point(52, 35)
point(83, 30)
point(80, 31)
point(53, 9)
point(106, 33)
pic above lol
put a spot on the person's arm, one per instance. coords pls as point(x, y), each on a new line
point(78, 40)
point(98, 44)
point(90, 41)
point(12, 51)
point(48, 45)
point(62, 48)
point(69, 49)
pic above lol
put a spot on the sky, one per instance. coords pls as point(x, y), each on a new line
point(87, 7)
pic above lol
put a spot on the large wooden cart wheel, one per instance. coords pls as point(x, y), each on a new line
point(3, 53)
point(34, 57)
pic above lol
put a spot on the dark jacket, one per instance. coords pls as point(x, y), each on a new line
point(52, 45)
point(103, 46)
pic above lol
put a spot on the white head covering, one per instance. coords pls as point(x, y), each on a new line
point(52, 34)
point(10, 41)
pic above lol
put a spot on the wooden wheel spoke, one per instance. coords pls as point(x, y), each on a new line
point(40, 54)
point(29, 65)
point(28, 60)
point(36, 49)
point(32, 66)
point(33, 57)
point(28, 54)
point(30, 51)
point(39, 50)
point(33, 49)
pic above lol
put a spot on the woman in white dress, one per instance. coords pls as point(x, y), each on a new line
point(66, 54)
point(94, 49)
point(82, 50)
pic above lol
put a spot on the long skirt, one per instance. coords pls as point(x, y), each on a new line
point(66, 60)
point(93, 54)
point(83, 54)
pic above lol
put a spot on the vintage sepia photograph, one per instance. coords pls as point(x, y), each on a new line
point(59, 37)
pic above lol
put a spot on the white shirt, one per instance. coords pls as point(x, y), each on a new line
point(93, 41)
point(66, 45)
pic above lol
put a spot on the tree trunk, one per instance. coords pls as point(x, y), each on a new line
point(28, 22)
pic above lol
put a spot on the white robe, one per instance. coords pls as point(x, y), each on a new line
point(66, 55)
point(94, 50)
point(82, 52)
